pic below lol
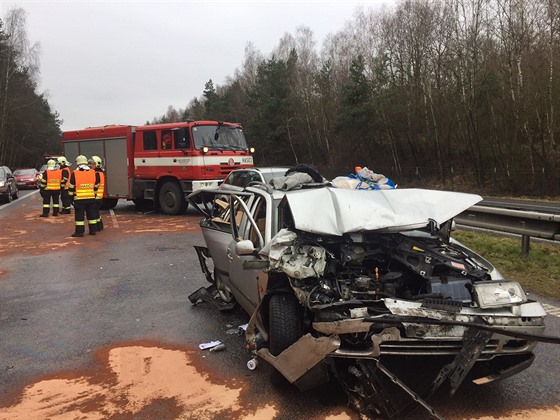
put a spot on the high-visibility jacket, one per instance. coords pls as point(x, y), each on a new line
point(83, 184)
point(101, 189)
point(65, 182)
point(51, 179)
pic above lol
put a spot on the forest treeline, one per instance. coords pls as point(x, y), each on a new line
point(461, 94)
point(455, 94)
point(28, 125)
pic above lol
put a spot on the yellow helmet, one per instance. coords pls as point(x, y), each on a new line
point(62, 160)
point(81, 160)
point(98, 161)
point(51, 163)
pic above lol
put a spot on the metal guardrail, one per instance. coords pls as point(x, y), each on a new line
point(525, 223)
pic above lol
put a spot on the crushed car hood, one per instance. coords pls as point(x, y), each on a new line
point(340, 211)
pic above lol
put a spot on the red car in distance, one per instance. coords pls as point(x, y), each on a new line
point(27, 178)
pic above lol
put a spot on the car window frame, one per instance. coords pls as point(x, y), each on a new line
point(242, 206)
point(203, 201)
point(248, 220)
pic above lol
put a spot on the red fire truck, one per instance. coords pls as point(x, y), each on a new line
point(161, 163)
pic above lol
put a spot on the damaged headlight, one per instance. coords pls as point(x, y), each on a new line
point(493, 294)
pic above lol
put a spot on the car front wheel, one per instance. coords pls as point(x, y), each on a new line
point(285, 322)
point(9, 197)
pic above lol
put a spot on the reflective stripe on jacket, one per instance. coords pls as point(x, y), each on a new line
point(101, 189)
point(83, 184)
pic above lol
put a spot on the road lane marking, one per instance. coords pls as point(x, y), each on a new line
point(551, 310)
point(18, 200)
point(114, 218)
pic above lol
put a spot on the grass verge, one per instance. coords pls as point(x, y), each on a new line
point(538, 272)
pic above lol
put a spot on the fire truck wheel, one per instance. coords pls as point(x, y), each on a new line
point(172, 199)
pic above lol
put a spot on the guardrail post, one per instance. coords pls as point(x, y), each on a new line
point(544, 187)
point(525, 244)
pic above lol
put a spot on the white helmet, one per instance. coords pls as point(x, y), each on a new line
point(63, 161)
point(98, 161)
point(81, 160)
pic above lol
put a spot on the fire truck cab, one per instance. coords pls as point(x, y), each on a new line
point(161, 163)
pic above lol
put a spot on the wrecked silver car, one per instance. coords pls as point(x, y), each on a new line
point(365, 286)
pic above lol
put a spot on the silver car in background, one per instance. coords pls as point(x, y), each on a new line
point(238, 179)
point(8, 186)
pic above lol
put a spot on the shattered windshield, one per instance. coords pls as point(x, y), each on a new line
point(220, 137)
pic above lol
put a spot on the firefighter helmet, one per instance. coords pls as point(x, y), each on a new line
point(81, 160)
point(63, 161)
point(51, 164)
point(98, 162)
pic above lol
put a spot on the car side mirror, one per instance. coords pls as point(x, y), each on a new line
point(244, 247)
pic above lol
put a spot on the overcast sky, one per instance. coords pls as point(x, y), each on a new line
point(125, 62)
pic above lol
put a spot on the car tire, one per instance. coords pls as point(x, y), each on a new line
point(15, 195)
point(285, 322)
point(172, 199)
point(9, 196)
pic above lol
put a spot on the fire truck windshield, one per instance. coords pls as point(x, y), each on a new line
point(220, 137)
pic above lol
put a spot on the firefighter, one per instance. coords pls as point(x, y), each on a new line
point(166, 141)
point(50, 188)
point(83, 188)
point(100, 191)
point(64, 184)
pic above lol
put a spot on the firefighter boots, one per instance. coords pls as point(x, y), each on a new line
point(92, 228)
point(78, 231)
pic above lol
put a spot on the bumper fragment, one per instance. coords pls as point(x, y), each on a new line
point(301, 358)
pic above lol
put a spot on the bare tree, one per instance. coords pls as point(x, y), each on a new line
point(553, 23)
point(19, 62)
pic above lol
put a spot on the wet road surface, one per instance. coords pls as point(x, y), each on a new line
point(101, 327)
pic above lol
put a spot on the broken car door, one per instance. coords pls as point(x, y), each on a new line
point(249, 236)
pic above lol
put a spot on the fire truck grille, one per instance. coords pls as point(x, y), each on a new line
point(225, 169)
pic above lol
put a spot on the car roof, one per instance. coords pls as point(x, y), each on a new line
point(266, 173)
point(263, 169)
